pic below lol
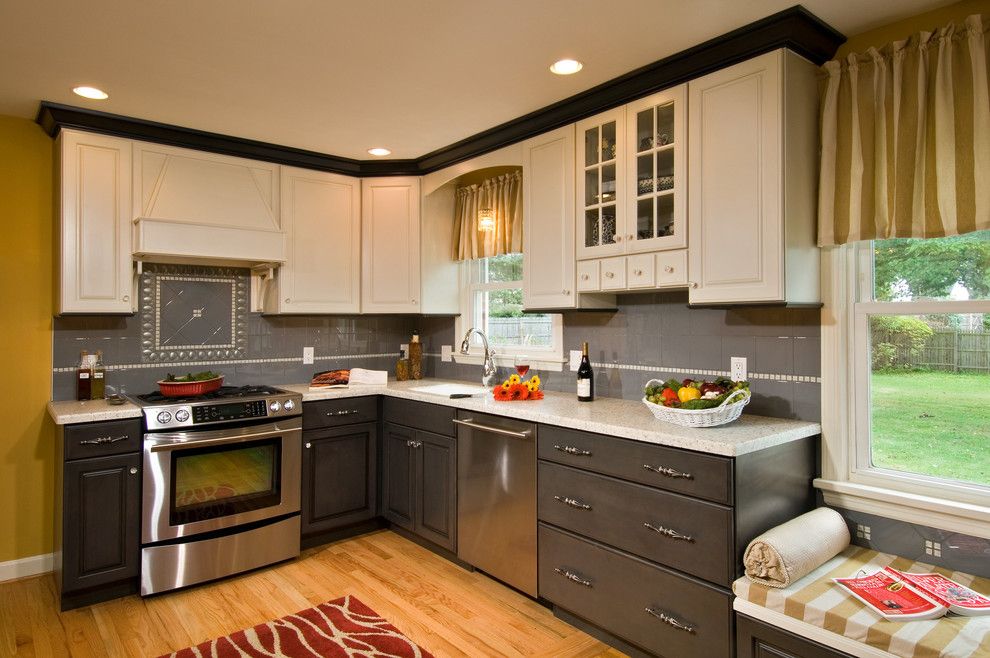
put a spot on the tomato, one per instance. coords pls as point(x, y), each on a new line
point(669, 395)
point(686, 393)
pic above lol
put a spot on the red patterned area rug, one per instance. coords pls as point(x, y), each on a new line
point(343, 627)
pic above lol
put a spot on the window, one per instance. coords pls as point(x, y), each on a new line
point(494, 303)
point(914, 384)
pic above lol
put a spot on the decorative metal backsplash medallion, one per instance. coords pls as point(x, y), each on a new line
point(191, 313)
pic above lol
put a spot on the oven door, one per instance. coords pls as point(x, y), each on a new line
point(200, 481)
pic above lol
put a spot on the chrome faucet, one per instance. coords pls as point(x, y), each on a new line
point(488, 369)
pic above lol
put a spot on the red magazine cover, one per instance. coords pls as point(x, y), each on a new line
point(891, 598)
point(958, 598)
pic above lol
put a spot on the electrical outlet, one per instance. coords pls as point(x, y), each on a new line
point(404, 350)
point(863, 531)
point(738, 368)
point(933, 548)
point(576, 359)
point(446, 353)
point(307, 356)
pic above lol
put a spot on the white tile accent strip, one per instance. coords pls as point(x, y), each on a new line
point(234, 362)
point(26, 566)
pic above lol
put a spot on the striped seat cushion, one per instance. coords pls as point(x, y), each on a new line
point(816, 600)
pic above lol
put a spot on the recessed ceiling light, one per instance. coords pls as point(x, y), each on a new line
point(91, 92)
point(566, 66)
point(379, 151)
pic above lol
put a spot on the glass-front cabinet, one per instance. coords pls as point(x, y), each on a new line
point(631, 177)
point(601, 161)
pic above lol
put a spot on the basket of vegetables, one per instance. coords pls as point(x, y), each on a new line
point(693, 403)
point(190, 385)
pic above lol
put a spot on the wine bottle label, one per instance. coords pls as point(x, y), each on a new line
point(84, 375)
point(97, 375)
point(584, 387)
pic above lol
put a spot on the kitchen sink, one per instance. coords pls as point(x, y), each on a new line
point(446, 390)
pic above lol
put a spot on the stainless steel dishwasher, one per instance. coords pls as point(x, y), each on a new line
point(496, 497)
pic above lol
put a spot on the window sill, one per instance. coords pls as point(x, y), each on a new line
point(550, 362)
point(913, 508)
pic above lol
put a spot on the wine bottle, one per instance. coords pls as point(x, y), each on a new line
point(585, 378)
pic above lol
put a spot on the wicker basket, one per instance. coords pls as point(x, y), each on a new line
point(728, 411)
point(189, 389)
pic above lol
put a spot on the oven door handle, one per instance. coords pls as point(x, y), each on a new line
point(168, 442)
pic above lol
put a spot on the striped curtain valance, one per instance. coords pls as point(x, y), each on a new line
point(905, 135)
point(503, 195)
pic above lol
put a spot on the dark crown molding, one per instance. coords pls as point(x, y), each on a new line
point(796, 29)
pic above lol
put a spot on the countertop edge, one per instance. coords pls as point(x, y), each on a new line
point(73, 412)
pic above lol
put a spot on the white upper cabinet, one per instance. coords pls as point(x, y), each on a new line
point(390, 211)
point(192, 204)
point(751, 186)
point(95, 228)
point(600, 217)
point(656, 172)
point(321, 217)
point(548, 220)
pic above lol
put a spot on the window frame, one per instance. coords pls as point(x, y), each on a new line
point(545, 358)
point(848, 479)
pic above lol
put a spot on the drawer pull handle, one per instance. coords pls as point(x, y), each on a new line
point(609, 275)
point(342, 412)
point(571, 502)
point(413, 444)
point(669, 472)
point(569, 575)
point(667, 619)
point(571, 450)
point(102, 440)
point(667, 532)
point(669, 269)
point(308, 445)
point(638, 272)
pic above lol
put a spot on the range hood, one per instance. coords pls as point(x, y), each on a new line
point(195, 207)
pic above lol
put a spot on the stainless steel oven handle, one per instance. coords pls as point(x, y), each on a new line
point(167, 444)
point(525, 434)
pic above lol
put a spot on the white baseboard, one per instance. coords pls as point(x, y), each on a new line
point(26, 566)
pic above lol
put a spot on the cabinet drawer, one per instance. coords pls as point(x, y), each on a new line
point(687, 534)
point(672, 268)
point(420, 415)
point(332, 413)
point(101, 439)
point(613, 273)
point(691, 473)
point(615, 591)
point(588, 275)
point(641, 271)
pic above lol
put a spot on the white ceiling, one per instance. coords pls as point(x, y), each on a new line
point(339, 77)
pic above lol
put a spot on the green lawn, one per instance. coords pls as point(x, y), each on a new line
point(936, 423)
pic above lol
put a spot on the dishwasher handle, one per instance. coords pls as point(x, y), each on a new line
point(469, 422)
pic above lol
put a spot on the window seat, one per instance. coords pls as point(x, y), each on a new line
point(817, 609)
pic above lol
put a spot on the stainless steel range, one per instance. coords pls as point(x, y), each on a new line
point(221, 484)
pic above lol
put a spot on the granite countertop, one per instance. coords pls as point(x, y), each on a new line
point(623, 418)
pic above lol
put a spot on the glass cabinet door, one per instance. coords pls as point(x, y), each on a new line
point(600, 209)
point(656, 187)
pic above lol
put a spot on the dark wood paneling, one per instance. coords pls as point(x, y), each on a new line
point(618, 590)
point(755, 639)
point(398, 478)
point(617, 512)
point(436, 518)
point(102, 439)
point(793, 28)
point(710, 476)
point(339, 477)
point(101, 521)
point(333, 413)
point(434, 418)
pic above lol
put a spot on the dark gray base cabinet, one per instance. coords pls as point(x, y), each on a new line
point(756, 639)
point(339, 477)
point(419, 483)
point(98, 512)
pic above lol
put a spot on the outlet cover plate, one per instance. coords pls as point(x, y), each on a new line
point(738, 368)
point(446, 353)
point(404, 351)
point(307, 356)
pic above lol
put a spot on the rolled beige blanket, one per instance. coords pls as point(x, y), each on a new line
point(794, 549)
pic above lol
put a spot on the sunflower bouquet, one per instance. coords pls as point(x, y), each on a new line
point(514, 388)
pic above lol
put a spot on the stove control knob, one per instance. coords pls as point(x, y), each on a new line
point(289, 405)
point(275, 406)
point(164, 417)
point(182, 415)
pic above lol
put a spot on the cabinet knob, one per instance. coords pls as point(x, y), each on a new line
point(585, 277)
point(693, 285)
point(286, 300)
point(308, 445)
point(565, 291)
point(610, 275)
point(629, 237)
point(668, 268)
point(413, 301)
point(638, 272)
point(126, 298)
point(132, 470)
point(617, 238)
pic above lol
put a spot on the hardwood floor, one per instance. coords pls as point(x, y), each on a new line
point(443, 608)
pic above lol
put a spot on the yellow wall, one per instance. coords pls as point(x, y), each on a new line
point(26, 434)
point(928, 21)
